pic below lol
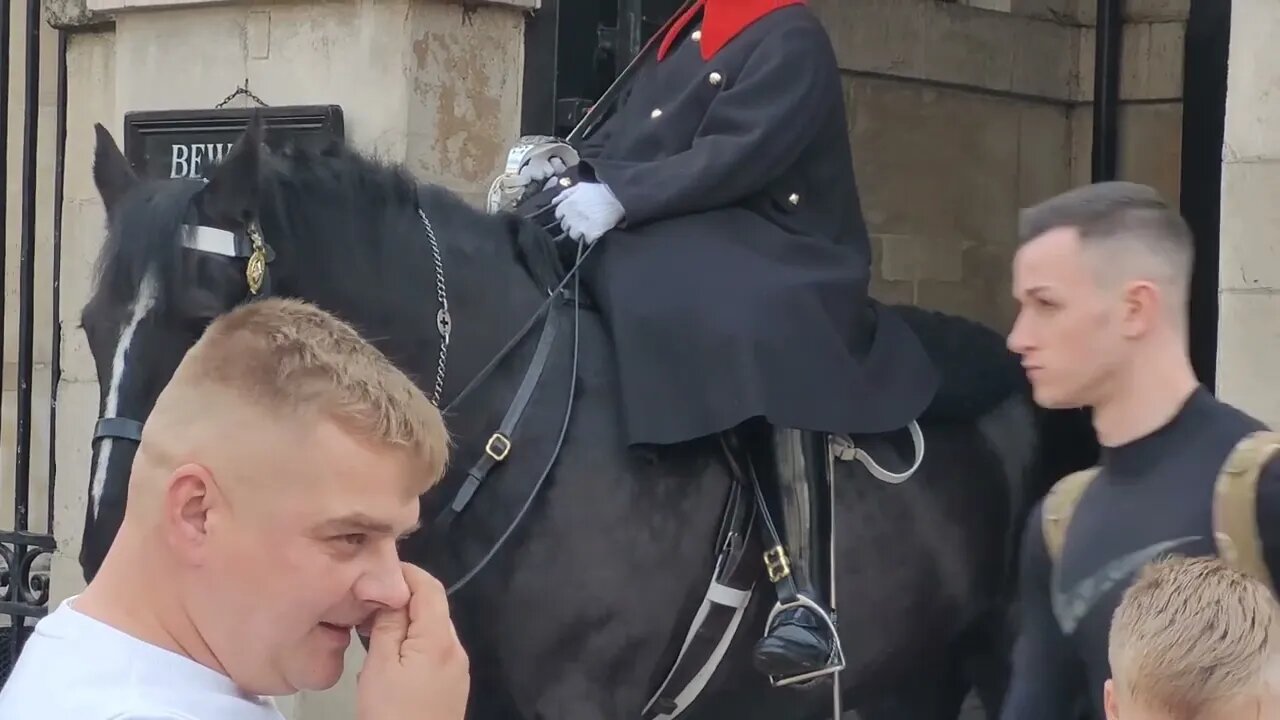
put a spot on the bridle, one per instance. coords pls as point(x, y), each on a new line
point(258, 254)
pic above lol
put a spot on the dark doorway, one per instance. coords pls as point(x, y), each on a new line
point(573, 51)
point(1203, 113)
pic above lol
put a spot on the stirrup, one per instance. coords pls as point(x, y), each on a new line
point(835, 663)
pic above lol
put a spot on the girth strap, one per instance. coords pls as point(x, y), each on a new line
point(718, 618)
point(118, 427)
point(499, 444)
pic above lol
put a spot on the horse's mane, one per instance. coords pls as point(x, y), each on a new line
point(332, 197)
point(977, 371)
point(144, 235)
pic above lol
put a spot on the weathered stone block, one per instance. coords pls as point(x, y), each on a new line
point(77, 406)
point(91, 98)
point(982, 295)
point(463, 96)
point(1056, 10)
point(994, 5)
point(1151, 147)
point(69, 13)
point(935, 163)
point(909, 258)
point(951, 43)
point(1150, 139)
point(1154, 10)
point(1165, 59)
point(1249, 247)
point(1248, 345)
point(990, 267)
point(209, 41)
point(964, 299)
point(895, 292)
point(1150, 61)
point(1044, 59)
point(1081, 119)
point(887, 291)
point(1136, 11)
point(38, 449)
point(42, 242)
point(1044, 153)
point(1253, 83)
point(82, 235)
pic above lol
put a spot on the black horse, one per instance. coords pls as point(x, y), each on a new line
point(584, 605)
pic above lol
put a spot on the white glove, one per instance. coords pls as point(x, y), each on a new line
point(588, 210)
point(540, 170)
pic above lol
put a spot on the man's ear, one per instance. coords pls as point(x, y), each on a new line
point(187, 501)
point(1143, 304)
point(1109, 700)
point(231, 196)
point(111, 172)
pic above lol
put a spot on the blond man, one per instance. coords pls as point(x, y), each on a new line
point(1194, 639)
point(275, 474)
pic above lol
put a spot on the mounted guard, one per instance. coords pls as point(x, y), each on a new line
point(732, 272)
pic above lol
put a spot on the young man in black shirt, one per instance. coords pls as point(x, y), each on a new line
point(1102, 278)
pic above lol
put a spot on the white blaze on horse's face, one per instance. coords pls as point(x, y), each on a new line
point(142, 305)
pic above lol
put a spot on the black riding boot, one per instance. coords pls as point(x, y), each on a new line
point(799, 642)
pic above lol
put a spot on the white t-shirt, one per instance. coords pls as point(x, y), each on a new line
point(74, 667)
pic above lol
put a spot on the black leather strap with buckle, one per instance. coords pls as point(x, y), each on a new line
point(499, 445)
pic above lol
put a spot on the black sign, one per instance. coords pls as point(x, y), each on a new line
point(184, 143)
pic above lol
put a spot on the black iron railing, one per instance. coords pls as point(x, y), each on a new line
point(26, 553)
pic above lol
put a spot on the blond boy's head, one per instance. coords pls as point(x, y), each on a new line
point(1193, 639)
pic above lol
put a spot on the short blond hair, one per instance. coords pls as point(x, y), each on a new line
point(292, 360)
point(1191, 633)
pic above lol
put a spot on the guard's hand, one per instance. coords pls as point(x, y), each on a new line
point(588, 210)
point(540, 170)
point(416, 668)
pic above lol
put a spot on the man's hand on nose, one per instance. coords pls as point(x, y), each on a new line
point(416, 668)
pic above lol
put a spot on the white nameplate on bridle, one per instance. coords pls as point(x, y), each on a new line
point(211, 240)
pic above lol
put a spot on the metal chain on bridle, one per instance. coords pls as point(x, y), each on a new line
point(444, 323)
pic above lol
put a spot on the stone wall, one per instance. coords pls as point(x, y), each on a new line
point(1249, 279)
point(961, 113)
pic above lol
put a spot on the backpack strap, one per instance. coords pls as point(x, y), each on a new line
point(1059, 505)
point(1235, 498)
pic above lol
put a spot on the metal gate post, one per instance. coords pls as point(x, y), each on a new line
point(24, 582)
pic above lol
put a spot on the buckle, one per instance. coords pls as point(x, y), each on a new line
point(498, 447)
point(776, 562)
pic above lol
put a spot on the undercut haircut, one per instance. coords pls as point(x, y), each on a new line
point(1191, 634)
point(1115, 219)
point(290, 360)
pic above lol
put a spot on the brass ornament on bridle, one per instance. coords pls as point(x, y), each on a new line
point(256, 269)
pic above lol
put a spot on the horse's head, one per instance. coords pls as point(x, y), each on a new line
point(349, 233)
point(178, 253)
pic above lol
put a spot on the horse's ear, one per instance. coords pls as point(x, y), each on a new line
point(232, 193)
point(111, 171)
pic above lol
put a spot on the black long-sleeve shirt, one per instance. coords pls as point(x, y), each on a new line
point(1153, 497)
